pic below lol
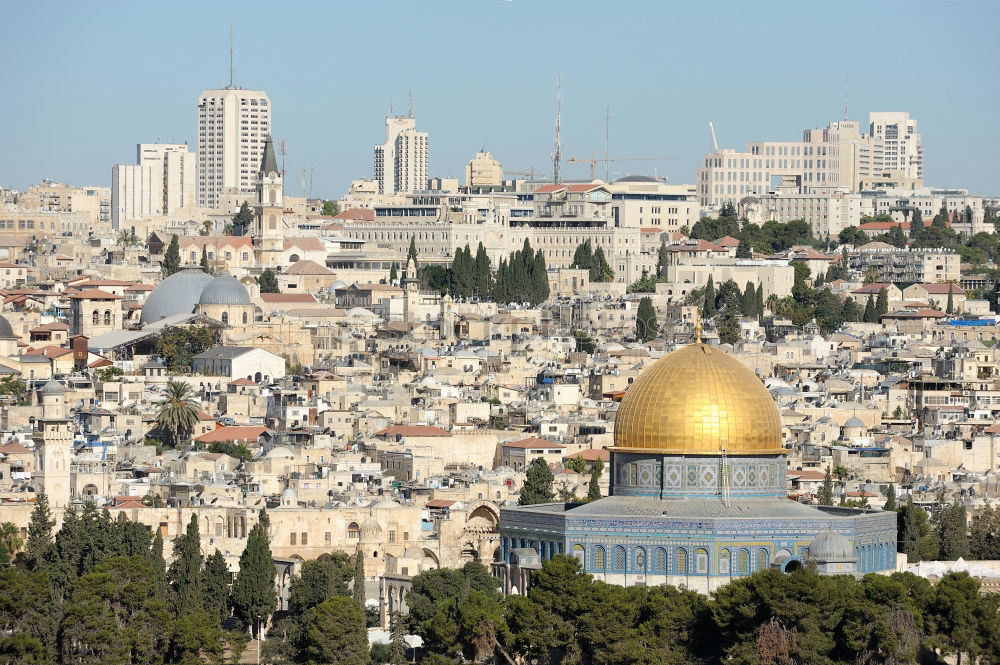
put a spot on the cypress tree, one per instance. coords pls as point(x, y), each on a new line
point(594, 486)
point(359, 577)
point(185, 571)
point(909, 531)
point(204, 259)
point(869, 315)
point(890, 498)
point(171, 258)
point(393, 273)
point(242, 220)
point(825, 495)
point(748, 301)
point(411, 253)
point(601, 271)
point(744, 251)
point(215, 586)
point(39, 541)
point(708, 309)
point(760, 301)
point(950, 307)
point(253, 595)
point(646, 325)
point(882, 304)
point(540, 277)
point(397, 641)
point(583, 257)
point(662, 259)
point(268, 281)
point(159, 566)
point(482, 281)
point(953, 532)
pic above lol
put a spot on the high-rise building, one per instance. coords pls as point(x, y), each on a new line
point(401, 163)
point(161, 182)
point(836, 157)
point(483, 171)
point(232, 126)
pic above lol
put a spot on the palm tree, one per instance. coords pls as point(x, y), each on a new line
point(178, 412)
point(841, 472)
point(10, 541)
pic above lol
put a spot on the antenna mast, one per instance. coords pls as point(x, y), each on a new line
point(715, 142)
point(409, 104)
point(557, 153)
point(607, 134)
point(845, 96)
point(230, 56)
point(282, 146)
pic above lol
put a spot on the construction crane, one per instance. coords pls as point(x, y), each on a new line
point(606, 160)
point(531, 173)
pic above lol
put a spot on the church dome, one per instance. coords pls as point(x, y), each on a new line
point(53, 387)
point(6, 331)
point(224, 290)
point(831, 546)
point(698, 400)
point(177, 294)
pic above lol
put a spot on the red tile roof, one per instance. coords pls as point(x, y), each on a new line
point(533, 442)
point(593, 454)
point(234, 433)
point(357, 214)
point(95, 294)
point(440, 503)
point(943, 289)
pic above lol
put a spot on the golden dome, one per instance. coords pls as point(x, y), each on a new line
point(698, 400)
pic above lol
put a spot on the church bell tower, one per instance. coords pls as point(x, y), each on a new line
point(269, 234)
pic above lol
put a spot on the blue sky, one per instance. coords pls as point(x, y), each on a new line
point(85, 81)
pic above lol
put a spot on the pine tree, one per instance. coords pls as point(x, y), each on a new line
point(890, 498)
point(185, 571)
point(39, 541)
point(594, 486)
point(825, 495)
point(359, 577)
point(708, 310)
point(204, 259)
point(744, 251)
point(646, 325)
point(171, 258)
point(242, 220)
point(952, 531)
point(984, 540)
point(882, 304)
point(215, 586)
point(253, 595)
point(537, 484)
point(268, 281)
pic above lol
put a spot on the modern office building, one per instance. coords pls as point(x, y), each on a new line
point(232, 126)
point(161, 182)
point(401, 163)
point(838, 157)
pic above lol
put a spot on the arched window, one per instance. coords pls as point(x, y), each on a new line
point(724, 562)
point(762, 559)
point(107, 317)
point(743, 562)
point(618, 562)
point(245, 318)
point(600, 561)
point(681, 561)
point(579, 554)
point(640, 560)
point(96, 317)
point(701, 561)
point(225, 318)
point(272, 197)
point(353, 530)
point(272, 222)
point(660, 560)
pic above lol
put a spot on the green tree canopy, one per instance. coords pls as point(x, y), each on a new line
point(538, 484)
point(646, 325)
point(268, 281)
point(253, 595)
point(171, 258)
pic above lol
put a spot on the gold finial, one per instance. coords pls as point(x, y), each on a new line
point(697, 327)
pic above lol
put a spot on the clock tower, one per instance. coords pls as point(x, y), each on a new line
point(269, 228)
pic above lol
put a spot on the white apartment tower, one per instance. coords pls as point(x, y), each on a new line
point(897, 144)
point(232, 126)
point(401, 163)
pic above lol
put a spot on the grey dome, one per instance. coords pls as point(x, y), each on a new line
point(6, 332)
point(224, 291)
point(53, 387)
point(177, 294)
point(831, 546)
point(637, 178)
point(338, 284)
point(854, 421)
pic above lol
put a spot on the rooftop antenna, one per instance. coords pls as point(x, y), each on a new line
point(230, 56)
point(282, 148)
point(715, 141)
point(607, 133)
point(409, 103)
point(845, 96)
point(557, 153)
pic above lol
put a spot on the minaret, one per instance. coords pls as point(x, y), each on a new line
point(268, 234)
point(447, 318)
point(54, 445)
point(411, 291)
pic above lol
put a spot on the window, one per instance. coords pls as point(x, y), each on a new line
point(107, 317)
point(96, 317)
point(579, 553)
point(327, 538)
point(599, 558)
point(618, 562)
point(292, 538)
point(701, 561)
point(353, 530)
point(761, 560)
point(640, 560)
point(681, 561)
point(305, 538)
point(245, 318)
point(724, 561)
